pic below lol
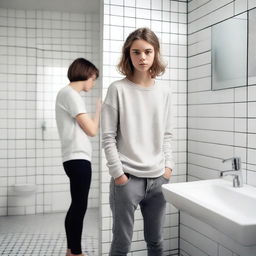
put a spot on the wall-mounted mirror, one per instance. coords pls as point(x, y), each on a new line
point(252, 47)
point(229, 53)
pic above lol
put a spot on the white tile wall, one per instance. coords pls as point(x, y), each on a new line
point(36, 48)
point(168, 20)
point(221, 124)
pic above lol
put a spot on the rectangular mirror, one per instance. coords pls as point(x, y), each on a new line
point(229, 53)
point(252, 47)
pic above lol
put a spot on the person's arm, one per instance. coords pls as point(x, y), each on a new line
point(90, 125)
point(167, 144)
point(109, 133)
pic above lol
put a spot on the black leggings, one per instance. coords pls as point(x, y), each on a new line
point(79, 173)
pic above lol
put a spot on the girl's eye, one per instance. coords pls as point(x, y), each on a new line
point(148, 52)
point(136, 53)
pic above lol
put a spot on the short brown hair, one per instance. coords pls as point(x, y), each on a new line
point(125, 65)
point(81, 70)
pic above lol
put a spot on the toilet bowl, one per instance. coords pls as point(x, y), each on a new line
point(24, 189)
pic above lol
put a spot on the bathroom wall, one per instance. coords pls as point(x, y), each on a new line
point(36, 48)
point(168, 20)
point(221, 124)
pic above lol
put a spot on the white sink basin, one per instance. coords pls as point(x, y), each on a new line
point(216, 202)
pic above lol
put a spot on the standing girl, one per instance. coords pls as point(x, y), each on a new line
point(137, 133)
point(74, 126)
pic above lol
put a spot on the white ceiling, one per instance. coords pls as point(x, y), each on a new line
point(77, 6)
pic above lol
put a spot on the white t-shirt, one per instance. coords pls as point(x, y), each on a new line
point(75, 144)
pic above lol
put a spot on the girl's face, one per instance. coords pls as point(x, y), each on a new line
point(142, 55)
point(89, 83)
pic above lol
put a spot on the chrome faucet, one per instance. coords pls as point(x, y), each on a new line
point(236, 171)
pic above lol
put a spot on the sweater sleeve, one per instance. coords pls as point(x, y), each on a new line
point(168, 136)
point(109, 133)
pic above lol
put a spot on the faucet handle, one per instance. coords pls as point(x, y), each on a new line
point(236, 162)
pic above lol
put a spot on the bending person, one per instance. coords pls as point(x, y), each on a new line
point(74, 127)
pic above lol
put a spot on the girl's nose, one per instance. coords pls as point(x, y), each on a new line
point(142, 57)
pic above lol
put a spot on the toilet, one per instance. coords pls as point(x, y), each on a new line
point(24, 189)
point(22, 199)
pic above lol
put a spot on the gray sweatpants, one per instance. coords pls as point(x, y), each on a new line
point(124, 200)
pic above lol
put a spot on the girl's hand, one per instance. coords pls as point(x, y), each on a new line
point(98, 105)
point(168, 173)
point(121, 180)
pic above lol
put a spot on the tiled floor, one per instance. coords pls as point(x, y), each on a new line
point(40, 235)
